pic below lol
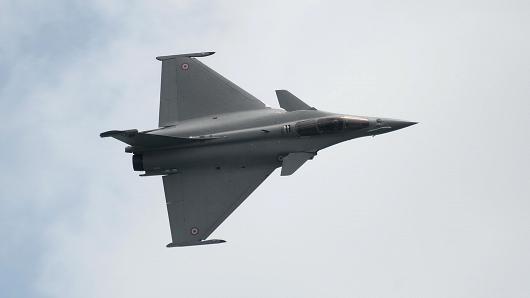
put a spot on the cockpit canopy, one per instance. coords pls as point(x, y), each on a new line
point(329, 125)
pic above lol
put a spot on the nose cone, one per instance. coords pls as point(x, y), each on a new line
point(384, 125)
point(399, 124)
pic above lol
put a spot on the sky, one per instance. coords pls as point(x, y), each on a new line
point(439, 209)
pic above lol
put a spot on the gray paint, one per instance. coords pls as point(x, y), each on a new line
point(218, 143)
point(289, 102)
point(293, 161)
point(183, 94)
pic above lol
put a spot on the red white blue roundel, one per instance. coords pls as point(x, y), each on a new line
point(194, 231)
point(185, 66)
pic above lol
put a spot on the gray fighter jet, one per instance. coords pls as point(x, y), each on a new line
point(216, 143)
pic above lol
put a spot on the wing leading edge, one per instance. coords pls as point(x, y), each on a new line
point(199, 200)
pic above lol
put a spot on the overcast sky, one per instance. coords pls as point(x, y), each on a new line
point(440, 209)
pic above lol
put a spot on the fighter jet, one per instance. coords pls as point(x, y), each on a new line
point(216, 143)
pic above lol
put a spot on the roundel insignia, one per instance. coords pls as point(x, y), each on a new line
point(185, 66)
point(194, 231)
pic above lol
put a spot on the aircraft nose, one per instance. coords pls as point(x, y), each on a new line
point(399, 124)
point(384, 125)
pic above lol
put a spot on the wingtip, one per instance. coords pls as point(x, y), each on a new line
point(189, 55)
point(204, 242)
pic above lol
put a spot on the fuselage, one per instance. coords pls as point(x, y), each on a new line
point(251, 137)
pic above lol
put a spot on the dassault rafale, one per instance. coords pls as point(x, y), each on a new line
point(216, 143)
